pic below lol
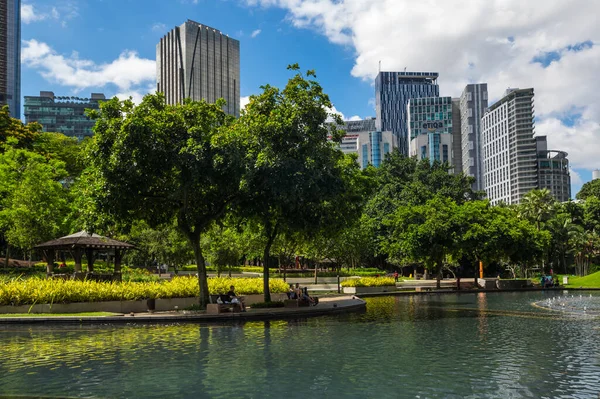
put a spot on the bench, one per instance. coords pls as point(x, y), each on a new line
point(218, 308)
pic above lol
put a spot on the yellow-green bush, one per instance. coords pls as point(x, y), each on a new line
point(37, 290)
point(369, 282)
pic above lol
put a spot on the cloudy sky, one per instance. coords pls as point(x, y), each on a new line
point(74, 47)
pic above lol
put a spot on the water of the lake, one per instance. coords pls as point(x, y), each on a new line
point(498, 345)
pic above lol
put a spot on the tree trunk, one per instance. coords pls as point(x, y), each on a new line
point(7, 255)
point(438, 283)
point(194, 239)
point(266, 254)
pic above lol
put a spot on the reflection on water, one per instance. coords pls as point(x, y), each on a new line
point(450, 346)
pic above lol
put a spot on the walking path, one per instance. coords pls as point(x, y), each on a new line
point(326, 306)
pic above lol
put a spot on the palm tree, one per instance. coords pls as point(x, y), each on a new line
point(537, 206)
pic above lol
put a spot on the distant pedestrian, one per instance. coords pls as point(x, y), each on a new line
point(396, 276)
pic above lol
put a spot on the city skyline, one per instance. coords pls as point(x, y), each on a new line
point(531, 51)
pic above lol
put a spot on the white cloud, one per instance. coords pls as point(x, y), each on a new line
point(244, 101)
point(159, 27)
point(334, 111)
point(29, 14)
point(488, 41)
point(125, 72)
point(576, 179)
point(355, 118)
point(255, 33)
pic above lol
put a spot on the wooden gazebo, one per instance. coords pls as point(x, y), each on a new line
point(82, 243)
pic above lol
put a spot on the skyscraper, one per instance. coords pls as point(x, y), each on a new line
point(10, 56)
point(392, 92)
point(553, 170)
point(473, 103)
point(509, 148)
point(199, 62)
point(430, 127)
point(64, 115)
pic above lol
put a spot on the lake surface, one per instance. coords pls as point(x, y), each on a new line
point(496, 345)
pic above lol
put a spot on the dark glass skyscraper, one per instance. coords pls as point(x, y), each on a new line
point(10, 56)
point(198, 62)
point(393, 90)
point(64, 115)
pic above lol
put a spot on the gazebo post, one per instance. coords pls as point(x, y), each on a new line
point(49, 262)
point(89, 253)
point(77, 256)
point(118, 257)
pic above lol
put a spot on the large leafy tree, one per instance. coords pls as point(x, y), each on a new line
point(158, 163)
point(292, 169)
point(589, 189)
point(33, 202)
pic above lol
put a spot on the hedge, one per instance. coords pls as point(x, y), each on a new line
point(38, 290)
point(369, 282)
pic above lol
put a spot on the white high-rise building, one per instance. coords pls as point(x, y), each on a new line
point(509, 148)
point(199, 62)
point(473, 103)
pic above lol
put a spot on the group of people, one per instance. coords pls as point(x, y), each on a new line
point(549, 282)
point(296, 292)
point(231, 297)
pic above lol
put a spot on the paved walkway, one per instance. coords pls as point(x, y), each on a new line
point(326, 305)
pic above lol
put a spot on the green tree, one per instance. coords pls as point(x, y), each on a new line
point(16, 133)
point(158, 163)
point(292, 168)
point(589, 189)
point(33, 202)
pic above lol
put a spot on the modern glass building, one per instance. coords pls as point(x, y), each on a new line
point(369, 144)
point(199, 62)
point(553, 170)
point(509, 148)
point(473, 103)
point(10, 56)
point(64, 115)
point(393, 90)
point(430, 122)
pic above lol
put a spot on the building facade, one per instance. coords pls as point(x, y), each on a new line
point(457, 161)
point(553, 170)
point(430, 124)
point(64, 115)
point(393, 90)
point(199, 62)
point(370, 145)
point(509, 148)
point(473, 103)
point(10, 56)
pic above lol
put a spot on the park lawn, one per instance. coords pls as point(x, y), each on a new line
point(84, 314)
point(589, 281)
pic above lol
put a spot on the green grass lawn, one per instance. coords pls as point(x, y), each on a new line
point(589, 281)
point(85, 314)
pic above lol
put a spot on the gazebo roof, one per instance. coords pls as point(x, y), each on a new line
point(83, 240)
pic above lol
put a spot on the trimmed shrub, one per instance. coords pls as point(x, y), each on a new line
point(37, 290)
point(369, 282)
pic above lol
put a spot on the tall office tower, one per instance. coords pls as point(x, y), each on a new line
point(370, 145)
point(473, 103)
point(553, 170)
point(430, 127)
point(456, 137)
point(10, 56)
point(393, 90)
point(198, 62)
point(64, 115)
point(509, 148)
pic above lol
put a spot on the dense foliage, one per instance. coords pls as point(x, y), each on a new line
point(36, 290)
point(189, 185)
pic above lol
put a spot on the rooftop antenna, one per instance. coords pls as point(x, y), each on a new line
point(404, 69)
point(379, 65)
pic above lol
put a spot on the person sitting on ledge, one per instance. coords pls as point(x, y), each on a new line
point(236, 299)
point(291, 294)
point(306, 297)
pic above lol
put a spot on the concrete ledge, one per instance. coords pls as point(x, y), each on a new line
point(326, 306)
point(161, 305)
point(368, 290)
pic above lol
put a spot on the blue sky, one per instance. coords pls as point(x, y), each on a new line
point(75, 47)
